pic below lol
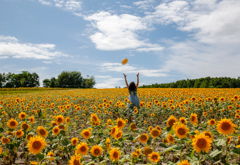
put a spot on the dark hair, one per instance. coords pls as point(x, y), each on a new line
point(132, 86)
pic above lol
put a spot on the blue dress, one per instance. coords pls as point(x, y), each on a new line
point(133, 98)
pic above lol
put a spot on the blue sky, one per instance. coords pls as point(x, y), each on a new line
point(164, 40)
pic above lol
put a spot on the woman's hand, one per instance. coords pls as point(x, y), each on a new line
point(138, 74)
point(124, 75)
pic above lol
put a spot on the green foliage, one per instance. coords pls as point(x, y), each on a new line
point(24, 79)
point(72, 79)
point(207, 82)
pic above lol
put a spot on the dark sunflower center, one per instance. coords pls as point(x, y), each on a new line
point(96, 151)
point(193, 118)
point(143, 138)
point(171, 122)
point(42, 131)
point(181, 131)
point(12, 123)
point(155, 133)
point(25, 126)
point(36, 145)
point(76, 162)
point(154, 157)
point(201, 143)
point(115, 155)
point(83, 149)
point(225, 126)
point(59, 120)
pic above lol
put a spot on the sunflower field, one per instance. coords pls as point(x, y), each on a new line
point(92, 126)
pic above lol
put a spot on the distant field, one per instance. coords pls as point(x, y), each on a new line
point(5, 91)
point(91, 126)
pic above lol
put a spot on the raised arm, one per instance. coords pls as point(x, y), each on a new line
point(125, 76)
point(137, 80)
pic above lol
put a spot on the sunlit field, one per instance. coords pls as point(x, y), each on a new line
point(91, 126)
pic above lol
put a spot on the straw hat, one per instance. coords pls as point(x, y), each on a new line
point(124, 61)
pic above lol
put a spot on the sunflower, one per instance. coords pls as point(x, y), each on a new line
point(22, 115)
point(109, 123)
point(237, 116)
point(96, 150)
point(134, 155)
point(211, 122)
point(114, 154)
point(60, 119)
point(184, 162)
point(24, 126)
point(150, 128)
point(5, 140)
point(67, 120)
point(204, 113)
point(133, 126)
point(147, 151)
point(154, 157)
point(118, 134)
point(75, 160)
point(42, 131)
point(143, 138)
point(120, 123)
point(86, 134)
point(201, 142)
point(29, 136)
point(12, 123)
point(183, 120)
point(113, 131)
point(138, 151)
point(171, 121)
point(108, 145)
point(74, 141)
point(36, 145)
point(50, 154)
point(229, 138)
point(181, 131)
point(170, 139)
point(19, 133)
point(194, 118)
point(82, 148)
point(155, 133)
point(55, 130)
point(206, 133)
point(225, 126)
point(0, 149)
point(33, 162)
point(54, 123)
point(31, 119)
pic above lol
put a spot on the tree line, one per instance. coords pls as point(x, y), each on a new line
point(207, 82)
point(67, 79)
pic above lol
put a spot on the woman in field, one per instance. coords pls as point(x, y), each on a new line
point(133, 98)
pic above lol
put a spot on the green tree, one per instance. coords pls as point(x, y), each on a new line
point(46, 83)
point(70, 79)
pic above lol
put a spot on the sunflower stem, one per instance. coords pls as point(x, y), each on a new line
point(199, 157)
point(226, 151)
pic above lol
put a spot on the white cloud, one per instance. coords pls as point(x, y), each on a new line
point(68, 5)
point(211, 21)
point(116, 67)
point(109, 82)
point(4, 57)
point(44, 2)
point(117, 32)
point(47, 62)
point(196, 60)
point(8, 39)
point(145, 4)
point(10, 47)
